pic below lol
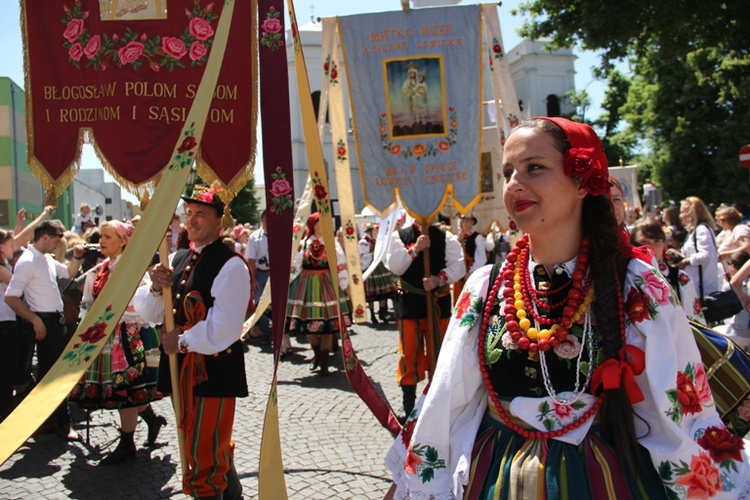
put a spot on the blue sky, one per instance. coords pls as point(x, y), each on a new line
point(11, 62)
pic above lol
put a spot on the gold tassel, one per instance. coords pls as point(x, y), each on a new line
point(145, 198)
point(227, 222)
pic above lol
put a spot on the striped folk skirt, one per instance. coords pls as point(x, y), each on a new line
point(312, 305)
point(506, 465)
point(381, 284)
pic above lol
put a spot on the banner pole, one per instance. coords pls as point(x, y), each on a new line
point(432, 332)
point(174, 371)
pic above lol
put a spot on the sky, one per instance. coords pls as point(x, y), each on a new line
point(11, 60)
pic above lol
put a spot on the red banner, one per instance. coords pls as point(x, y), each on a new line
point(128, 75)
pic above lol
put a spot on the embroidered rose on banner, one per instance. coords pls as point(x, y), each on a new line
point(321, 194)
point(349, 357)
point(132, 49)
point(185, 151)
point(82, 351)
point(281, 192)
point(271, 35)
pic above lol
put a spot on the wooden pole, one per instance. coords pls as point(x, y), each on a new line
point(433, 335)
point(174, 371)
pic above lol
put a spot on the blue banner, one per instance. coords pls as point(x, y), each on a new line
point(415, 84)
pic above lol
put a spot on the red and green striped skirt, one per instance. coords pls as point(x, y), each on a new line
point(506, 465)
point(312, 305)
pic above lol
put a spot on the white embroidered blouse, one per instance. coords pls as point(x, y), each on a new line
point(678, 407)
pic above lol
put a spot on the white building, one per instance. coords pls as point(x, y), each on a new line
point(89, 187)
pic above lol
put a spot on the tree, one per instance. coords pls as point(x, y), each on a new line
point(687, 106)
point(245, 205)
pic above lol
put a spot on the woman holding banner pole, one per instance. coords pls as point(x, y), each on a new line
point(570, 372)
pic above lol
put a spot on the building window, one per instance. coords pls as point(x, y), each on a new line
point(553, 105)
point(108, 201)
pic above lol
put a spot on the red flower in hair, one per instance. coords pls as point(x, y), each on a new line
point(582, 163)
point(597, 183)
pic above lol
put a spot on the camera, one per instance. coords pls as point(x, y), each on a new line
point(93, 252)
point(91, 255)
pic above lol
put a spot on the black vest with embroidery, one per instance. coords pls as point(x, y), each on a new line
point(226, 369)
point(414, 306)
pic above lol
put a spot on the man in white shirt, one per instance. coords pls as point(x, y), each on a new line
point(475, 255)
point(35, 278)
point(256, 254)
point(211, 291)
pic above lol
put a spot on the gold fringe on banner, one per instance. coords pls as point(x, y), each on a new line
point(55, 187)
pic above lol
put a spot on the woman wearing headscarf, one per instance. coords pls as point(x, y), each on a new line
point(119, 377)
point(570, 372)
point(313, 308)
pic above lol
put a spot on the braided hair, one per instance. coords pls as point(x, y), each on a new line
point(607, 259)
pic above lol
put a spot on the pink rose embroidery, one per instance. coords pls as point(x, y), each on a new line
point(173, 47)
point(73, 30)
point(280, 187)
point(76, 51)
point(704, 478)
point(568, 348)
point(197, 51)
point(200, 28)
point(271, 25)
point(701, 384)
point(656, 288)
point(92, 47)
point(562, 411)
point(130, 53)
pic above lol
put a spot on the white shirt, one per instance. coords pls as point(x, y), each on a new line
point(223, 324)
point(480, 254)
point(704, 254)
point(6, 313)
point(734, 237)
point(35, 277)
point(257, 249)
point(399, 258)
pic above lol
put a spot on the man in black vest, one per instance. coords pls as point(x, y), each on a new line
point(405, 259)
point(475, 256)
point(211, 290)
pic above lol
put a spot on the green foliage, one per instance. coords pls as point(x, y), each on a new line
point(245, 205)
point(687, 106)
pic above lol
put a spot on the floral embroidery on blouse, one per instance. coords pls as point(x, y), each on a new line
point(468, 308)
point(691, 394)
point(422, 461)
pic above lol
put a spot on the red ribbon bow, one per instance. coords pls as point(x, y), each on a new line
point(614, 373)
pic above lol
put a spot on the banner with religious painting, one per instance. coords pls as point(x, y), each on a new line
point(123, 75)
point(415, 84)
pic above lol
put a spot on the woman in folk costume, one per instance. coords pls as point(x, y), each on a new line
point(381, 284)
point(571, 372)
point(312, 307)
point(119, 378)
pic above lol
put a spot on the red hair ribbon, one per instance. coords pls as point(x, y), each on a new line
point(616, 373)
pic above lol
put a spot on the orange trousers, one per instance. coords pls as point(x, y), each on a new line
point(209, 448)
point(413, 363)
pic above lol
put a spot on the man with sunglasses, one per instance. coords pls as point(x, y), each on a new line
point(35, 278)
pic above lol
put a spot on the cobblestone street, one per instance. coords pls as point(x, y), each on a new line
point(332, 446)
